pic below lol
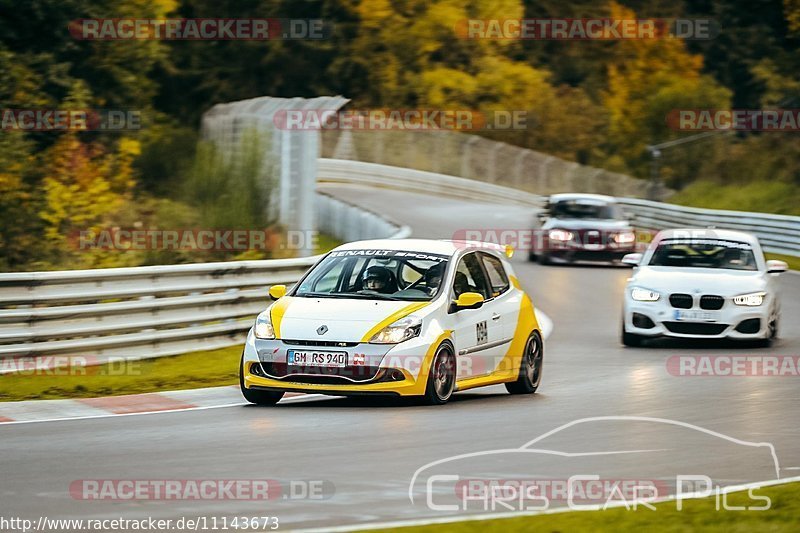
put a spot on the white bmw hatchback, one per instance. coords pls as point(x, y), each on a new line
point(702, 283)
point(405, 317)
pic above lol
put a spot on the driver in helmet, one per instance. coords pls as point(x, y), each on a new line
point(433, 278)
point(377, 278)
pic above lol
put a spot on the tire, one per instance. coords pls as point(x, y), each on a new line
point(630, 340)
point(771, 336)
point(441, 377)
point(544, 258)
point(530, 368)
point(258, 397)
point(532, 256)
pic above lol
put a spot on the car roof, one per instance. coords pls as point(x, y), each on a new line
point(708, 233)
point(429, 246)
point(582, 196)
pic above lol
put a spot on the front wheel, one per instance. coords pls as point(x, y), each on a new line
point(530, 368)
point(772, 335)
point(258, 397)
point(543, 258)
point(630, 339)
point(441, 377)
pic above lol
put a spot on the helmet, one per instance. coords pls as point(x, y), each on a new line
point(433, 277)
point(377, 278)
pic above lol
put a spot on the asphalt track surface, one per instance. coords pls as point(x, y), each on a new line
point(367, 451)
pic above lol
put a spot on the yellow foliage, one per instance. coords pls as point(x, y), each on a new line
point(84, 186)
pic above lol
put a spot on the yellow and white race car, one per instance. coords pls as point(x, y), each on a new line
point(407, 317)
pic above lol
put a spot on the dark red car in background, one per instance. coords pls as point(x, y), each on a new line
point(583, 227)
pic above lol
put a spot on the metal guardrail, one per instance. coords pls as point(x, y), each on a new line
point(777, 233)
point(153, 311)
point(376, 175)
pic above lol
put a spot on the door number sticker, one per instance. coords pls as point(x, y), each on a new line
point(481, 332)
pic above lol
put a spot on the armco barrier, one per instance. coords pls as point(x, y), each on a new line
point(778, 233)
point(163, 310)
point(153, 311)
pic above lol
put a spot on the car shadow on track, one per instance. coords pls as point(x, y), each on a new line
point(588, 265)
point(704, 344)
point(384, 402)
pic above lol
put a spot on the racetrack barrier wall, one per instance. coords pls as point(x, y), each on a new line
point(153, 311)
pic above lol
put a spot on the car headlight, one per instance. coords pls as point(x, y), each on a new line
point(644, 295)
point(263, 328)
point(560, 235)
point(751, 300)
point(398, 331)
point(626, 237)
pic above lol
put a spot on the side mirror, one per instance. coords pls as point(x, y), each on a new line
point(776, 267)
point(467, 300)
point(277, 291)
point(632, 259)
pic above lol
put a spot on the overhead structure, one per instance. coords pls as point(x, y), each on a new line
point(292, 153)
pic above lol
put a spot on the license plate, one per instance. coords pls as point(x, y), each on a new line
point(317, 358)
point(697, 316)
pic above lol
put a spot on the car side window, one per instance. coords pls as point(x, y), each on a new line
point(470, 277)
point(498, 280)
point(327, 281)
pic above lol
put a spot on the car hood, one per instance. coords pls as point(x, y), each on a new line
point(585, 224)
point(346, 320)
point(699, 280)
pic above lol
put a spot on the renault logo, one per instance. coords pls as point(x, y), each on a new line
point(322, 329)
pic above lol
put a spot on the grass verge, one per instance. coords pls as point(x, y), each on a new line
point(762, 197)
point(210, 368)
point(697, 515)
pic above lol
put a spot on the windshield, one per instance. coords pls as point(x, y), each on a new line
point(704, 253)
point(585, 210)
point(375, 275)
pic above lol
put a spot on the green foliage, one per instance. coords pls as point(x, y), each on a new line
point(598, 103)
point(232, 193)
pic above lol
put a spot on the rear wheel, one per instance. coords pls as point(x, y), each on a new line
point(530, 368)
point(630, 339)
point(442, 376)
point(258, 397)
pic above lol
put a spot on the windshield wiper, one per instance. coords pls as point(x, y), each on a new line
point(355, 295)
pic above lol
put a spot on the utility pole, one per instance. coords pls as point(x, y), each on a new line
point(655, 156)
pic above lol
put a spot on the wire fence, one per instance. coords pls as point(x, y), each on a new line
point(477, 158)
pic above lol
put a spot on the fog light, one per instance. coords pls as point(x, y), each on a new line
point(751, 326)
point(642, 321)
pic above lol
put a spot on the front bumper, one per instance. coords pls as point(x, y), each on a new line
point(400, 369)
point(583, 254)
point(734, 322)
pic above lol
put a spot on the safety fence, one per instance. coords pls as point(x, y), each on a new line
point(153, 311)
